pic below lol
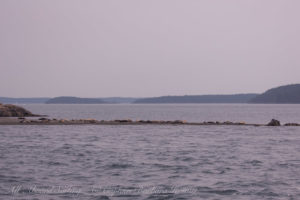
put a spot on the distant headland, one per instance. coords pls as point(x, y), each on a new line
point(234, 98)
point(288, 94)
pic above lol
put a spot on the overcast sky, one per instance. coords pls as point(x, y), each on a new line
point(147, 48)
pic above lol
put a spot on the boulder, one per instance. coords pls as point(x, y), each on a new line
point(274, 122)
point(9, 110)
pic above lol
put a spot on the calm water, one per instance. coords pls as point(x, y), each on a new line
point(251, 113)
point(153, 162)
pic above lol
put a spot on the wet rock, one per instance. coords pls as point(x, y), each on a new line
point(274, 122)
point(9, 110)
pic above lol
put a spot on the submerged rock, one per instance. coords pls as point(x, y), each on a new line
point(274, 122)
point(9, 110)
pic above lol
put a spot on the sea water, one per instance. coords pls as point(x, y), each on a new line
point(153, 161)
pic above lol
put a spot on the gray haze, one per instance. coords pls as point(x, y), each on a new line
point(147, 48)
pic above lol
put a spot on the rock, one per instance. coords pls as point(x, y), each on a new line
point(274, 122)
point(9, 110)
point(122, 120)
point(210, 122)
point(177, 122)
point(292, 124)
point(43, 119)
point(91, 121)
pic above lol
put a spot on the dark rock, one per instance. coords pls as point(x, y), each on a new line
point(292, 124)
point(210, 122)
point(179, 122)
point(91, 121)
point(274, 122)
point(123, 120)
point(43, 119)
point(9, 110)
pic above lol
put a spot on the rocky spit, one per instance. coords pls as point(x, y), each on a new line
point(16, 115)
point(49, 121)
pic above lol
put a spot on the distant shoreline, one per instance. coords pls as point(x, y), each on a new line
point(288, 94)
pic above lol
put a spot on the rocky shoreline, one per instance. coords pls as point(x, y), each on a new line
point(10, 110)
point(48, 121)
point(16, 115)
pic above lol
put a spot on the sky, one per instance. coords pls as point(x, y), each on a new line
point(144, 48)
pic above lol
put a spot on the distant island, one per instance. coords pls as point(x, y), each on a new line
point(23, 100)
point(288, 94)
point(74, 100)
point(235, 98)
point(77, 100)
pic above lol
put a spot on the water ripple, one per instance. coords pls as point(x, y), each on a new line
point(149, 162)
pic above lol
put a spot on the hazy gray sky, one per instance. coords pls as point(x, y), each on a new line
point(147, 47)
